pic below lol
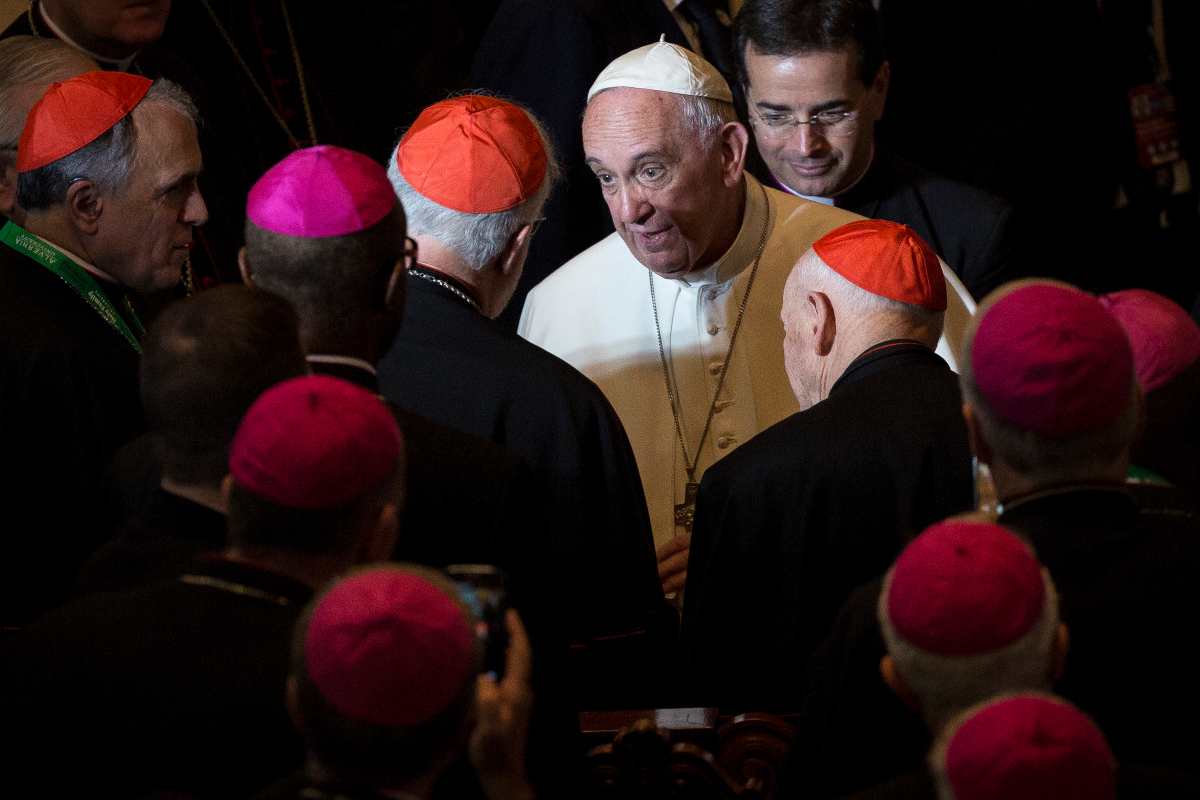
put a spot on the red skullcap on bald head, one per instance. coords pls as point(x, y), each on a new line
point(388, 647)
point(1030, 747)
point(74, 113)
point(885, 259)
point(1049, 359)
point(474, 154)
point(964, 589)
point(315, 442)
point(1165, 340)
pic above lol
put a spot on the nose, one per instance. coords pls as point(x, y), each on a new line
point(631, 205)
point(809, 141)
point(195, 210)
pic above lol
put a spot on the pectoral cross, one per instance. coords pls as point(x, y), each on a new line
point(685, 512)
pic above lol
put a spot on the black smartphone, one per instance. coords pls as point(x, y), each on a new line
point(484, 588)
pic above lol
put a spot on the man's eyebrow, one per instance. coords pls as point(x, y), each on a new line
point(817, 109)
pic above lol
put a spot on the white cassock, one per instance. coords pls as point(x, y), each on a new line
point(594, 312)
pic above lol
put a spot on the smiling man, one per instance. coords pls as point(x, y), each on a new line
point(107, 168)
point(816, 82)
point(676, 315)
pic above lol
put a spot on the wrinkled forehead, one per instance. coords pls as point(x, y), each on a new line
point(623, 119)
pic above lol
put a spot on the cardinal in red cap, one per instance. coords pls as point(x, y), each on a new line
point(968, 612)
point(794, 519)
point(1032, 746)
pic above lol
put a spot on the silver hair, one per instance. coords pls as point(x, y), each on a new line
point(945, 685)
point(858, 303)
point(27, 62)
point(477, 238)
point(107, 161)
point(704, 116)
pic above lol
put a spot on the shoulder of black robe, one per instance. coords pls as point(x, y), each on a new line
point(1126, 578)
point(69, 396)
point(973, 231)
point(457, 367)
point(147, 689)
point(546, 54)
point(790, 522)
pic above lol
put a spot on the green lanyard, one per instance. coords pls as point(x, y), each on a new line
point(74, 276)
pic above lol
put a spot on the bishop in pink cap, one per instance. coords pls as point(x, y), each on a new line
point(390, 646)
point(319, 192)
point(1027, 746)
point(1165, 340)
point(967, 612)
point(315, 442)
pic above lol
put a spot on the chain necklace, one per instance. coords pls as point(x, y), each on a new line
point(685, 512)
point(308, 115)
point(235, 588)
point(418, 272)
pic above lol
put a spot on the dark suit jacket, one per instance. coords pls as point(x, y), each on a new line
point(790, 522)
point(546, 54)
point(68, 400)
point(1123, 571)
point(970, 229)
point(460, 369)
point(176, 686)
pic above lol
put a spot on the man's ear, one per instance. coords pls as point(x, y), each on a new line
point(887, 670)
point(879, 87)
point(8, 183)
point(979, 445)
point(394, 294)
point(734, 141)
point(85, 205)
point(226, 489)
point(513, 256)
point(381, 540)
point(823, 321)
point(244, 267)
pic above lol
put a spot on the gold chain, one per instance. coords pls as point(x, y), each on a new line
point(308, 115)
point(688, 464)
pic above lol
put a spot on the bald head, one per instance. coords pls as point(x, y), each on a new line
point(28, 65)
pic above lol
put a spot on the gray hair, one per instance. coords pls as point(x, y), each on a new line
point(945, 685)
point(477, 238)
point(27, 62)
point(704, 117)
point(858, 303)
point(107, 161)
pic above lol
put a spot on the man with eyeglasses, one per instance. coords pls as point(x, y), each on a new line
point(473, 174)
point(816, 82)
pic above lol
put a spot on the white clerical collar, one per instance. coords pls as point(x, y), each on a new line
point(99, 273)
point(827, 200)
point(744, 249)
point(345, 361)
point(672, 4)
point(122, 65)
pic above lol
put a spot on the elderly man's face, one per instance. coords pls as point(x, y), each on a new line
point(660, 183)
point(146, 226)
point(820, 159)
point(116, 28)
point(799, 355)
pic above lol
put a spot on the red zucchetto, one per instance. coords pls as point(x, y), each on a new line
point(965, 589)
point(1031, 746)
point(74, 113)
point(885, 259)
point(1049, 359)
point(1165, 340)
point(388, 647)
point(315, 442)
point(321, 191)
point(474, 154)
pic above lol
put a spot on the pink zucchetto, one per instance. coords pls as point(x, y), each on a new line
point(1029, 746)
point(319, 192)
point(388, 647)
point(1049, 359)
point(1165, 340)
point(315, 442)
point(886, 259)
point(965, 588)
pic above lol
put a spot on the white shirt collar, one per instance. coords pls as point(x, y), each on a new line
point(345, 361)
point(122, 65)
point(671, 4)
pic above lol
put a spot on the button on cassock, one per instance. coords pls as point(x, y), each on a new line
point(715, 367)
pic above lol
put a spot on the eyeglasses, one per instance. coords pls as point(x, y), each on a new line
point(782, 125)
point(409, 257)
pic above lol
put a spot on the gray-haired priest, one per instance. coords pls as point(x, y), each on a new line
point(676, 315)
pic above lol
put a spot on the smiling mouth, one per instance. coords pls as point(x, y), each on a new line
point(812, 170)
